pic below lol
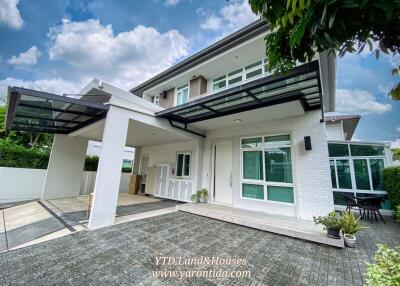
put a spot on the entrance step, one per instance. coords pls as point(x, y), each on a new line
point(288, 226)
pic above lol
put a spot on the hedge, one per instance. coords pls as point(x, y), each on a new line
point(391, 184)
point(16, 156)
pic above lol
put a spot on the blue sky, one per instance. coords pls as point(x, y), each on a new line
point(59, 46)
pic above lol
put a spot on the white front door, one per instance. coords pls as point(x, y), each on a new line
point(223, 172)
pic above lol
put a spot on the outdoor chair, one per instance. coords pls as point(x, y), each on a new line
point(369, 208)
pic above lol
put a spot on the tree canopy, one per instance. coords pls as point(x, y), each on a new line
point(300, 28)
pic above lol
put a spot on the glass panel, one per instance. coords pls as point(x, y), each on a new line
point(339, 199)
point(179, 166)
point(280, 194)
point(338, 150)
point(277, 140)
point(366, 150)
point(361, 174)
point(252, 165)
point(278, 165)
point(235, 72)
point(343, 172)
point(234, 80)
point(252, 142)
point(219, 78)
point(376, 166)
point(386, 205)
point(333, 173)
point(258, 63)
point(187, 165)
point(253, 191)
point(253, 73)
point(183, 96)
point(219, 85)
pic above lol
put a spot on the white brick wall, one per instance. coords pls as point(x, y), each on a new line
point(311, 168)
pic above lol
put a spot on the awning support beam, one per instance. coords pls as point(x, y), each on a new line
point(185, 129)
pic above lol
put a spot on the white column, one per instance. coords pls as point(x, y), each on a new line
point(64, 171)
point(109, 169)
point(136, 160)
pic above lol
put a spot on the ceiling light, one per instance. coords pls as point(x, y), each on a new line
point(237, 120)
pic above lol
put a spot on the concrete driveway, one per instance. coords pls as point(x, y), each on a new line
point(127, 254)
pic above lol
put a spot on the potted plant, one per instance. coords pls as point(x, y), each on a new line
point(350, 226)
point(200, 196)
point(203, 195)
point(332, 223)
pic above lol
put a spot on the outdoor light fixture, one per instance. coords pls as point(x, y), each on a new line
point(237, 120)
point(307, 143)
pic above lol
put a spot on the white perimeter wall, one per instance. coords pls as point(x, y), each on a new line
point(19, 184)
point(313, 195)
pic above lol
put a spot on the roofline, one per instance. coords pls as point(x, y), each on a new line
point(254, 29)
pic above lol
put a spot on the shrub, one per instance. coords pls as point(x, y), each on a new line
point(91, 163)
point(391, 184)
point(332, 221)
point(397, 213)
point(16, 156)
point(386, 269)
point(126, 169)
point(350, 225)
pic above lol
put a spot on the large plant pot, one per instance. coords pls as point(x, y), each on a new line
point(202, 200)
point(349, 240)
point(334, 233)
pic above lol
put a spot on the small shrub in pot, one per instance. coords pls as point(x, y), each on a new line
point(332, 223)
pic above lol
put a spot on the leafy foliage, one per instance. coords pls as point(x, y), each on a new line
point(300, 28)
point(397, 213)
point(391, 184)
point(396, 153)
point(332, 221)
point(91, 163)
point(386, 269)
point(203, 193)
point(12, 155)
point(350, 225)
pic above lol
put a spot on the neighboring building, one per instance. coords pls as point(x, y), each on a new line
point(218, 120)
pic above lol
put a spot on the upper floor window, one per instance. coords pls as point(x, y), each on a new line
point(238, 75)
point(156, 100)
point(182, 94)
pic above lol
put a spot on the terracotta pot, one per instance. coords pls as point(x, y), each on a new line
point(334, 233)
point(349, 240)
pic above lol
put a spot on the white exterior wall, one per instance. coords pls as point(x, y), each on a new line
point(335, 131)
point(20, 184)
point(312, 185)
point(166, 154)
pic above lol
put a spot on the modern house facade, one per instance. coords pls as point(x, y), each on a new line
point(218, 120)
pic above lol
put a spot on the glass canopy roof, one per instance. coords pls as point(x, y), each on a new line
point(36, 111)
point(302, 83)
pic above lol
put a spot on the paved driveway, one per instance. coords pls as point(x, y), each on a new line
point(125, 254)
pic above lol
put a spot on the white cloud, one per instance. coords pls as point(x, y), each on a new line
point(231, 17)
point(395, 144)
point(9, 14)
point(358, 101)
point(212, 23)
point(27, 58)
point(125, 59)
point(171, 2)
point(54, 85)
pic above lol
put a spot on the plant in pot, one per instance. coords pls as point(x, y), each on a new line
point(203, 195)
point(332, 223)
point(196, 197)
point(350, 226)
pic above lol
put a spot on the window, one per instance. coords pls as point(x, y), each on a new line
point(366, 150)
point(343, 173)
point(156, 100)
point(376, 166)
point(235, 76)
point(333, 173)
point(253, 69)
point(219, 82)
point(182, 94)
point(338, 150)
point(361, 174)
point(267, 168)
point(183, 165)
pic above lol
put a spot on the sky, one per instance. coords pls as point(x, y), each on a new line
point(60, 45)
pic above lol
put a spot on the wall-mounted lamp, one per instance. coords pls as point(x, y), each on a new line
point(307, 143)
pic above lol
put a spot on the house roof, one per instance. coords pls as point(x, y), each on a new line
point(256, 28)
point(349, 122)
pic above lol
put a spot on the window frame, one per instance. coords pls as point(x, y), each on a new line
point(184, 153)
point(351, 159)
point(242, 74)
point(156, 100)
point(180, 88)
point(264, 181)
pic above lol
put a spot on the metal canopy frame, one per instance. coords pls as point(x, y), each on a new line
point(36, 111)
point(302, 83)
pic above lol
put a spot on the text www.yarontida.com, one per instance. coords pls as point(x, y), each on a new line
point(185, 274)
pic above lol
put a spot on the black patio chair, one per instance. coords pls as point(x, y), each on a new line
point(369, 208)
point(351, 202)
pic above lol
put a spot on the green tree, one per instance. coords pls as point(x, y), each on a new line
point(300, 28)
point(21, 138)
point(396, 153)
